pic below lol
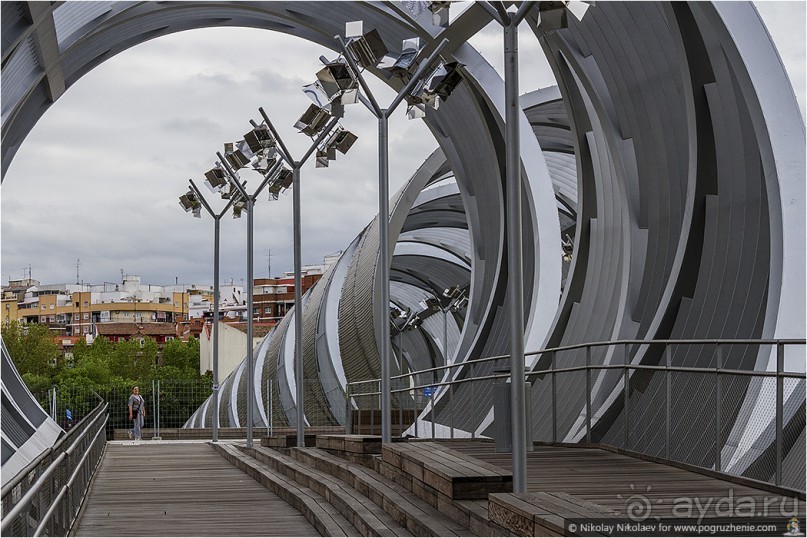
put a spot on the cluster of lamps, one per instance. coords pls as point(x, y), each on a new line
point(425, 85)
point(263, 151)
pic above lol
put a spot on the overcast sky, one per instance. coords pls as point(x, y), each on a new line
point(98, 178)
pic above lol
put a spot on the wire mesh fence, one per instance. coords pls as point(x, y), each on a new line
point(168, 403)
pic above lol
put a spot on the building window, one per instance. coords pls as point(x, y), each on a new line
point(86, 316)
point(169, 338)
point(86, 330)
point(267, 309)
point(142, 342)
point(52, 319)
point(51, 307)
point(77, 304)
point(44, 307)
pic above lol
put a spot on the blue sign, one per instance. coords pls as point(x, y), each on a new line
point(427, 391)
point(68, 414)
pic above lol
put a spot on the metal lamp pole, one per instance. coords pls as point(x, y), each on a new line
point(217, 227)
point(250, 199)
point(515, 257)
point(382, 306)
point(298, 300)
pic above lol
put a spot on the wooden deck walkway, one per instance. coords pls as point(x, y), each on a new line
point(618, 482)
point(176, 488)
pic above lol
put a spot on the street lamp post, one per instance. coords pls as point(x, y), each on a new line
point(216, 251)
point(296, 165)
point(382, 306)
point(232, 177)
point(515, 256)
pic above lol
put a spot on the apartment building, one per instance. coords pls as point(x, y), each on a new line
point(272, 298)
point(77, 309)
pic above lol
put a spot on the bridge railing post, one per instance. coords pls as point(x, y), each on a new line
point(588, 394)
point(718, 407)
point(780, 397)
point(668, 396)
point(626, 385)
point(554, 397)
point(473, 403)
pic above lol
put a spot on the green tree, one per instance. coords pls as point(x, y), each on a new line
point(135, 360)
point(32, 348)
point(180, 360)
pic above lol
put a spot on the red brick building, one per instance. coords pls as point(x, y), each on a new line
point(159, 332)
point(273, 297)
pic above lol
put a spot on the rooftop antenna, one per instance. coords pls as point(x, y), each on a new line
point(269, 263)
point(78, 264)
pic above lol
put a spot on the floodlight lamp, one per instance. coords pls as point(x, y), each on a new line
point(343, 141)
point(452, 292)
point(281, 182)
point(567, 247)
point(439, 10)
point(415, 111)
point(259, 138)
point(264, 162)
point(459, 303)
point(215, 179)
point(312, 121)
point(316, 92)
point(367, 49)
point(239, 207)
point(335, 79)
point(189, 201)
point(237, 159)
point(322, 158)
point(399, 64)
point(441, 82)
point(197, 212)
point(552, 15)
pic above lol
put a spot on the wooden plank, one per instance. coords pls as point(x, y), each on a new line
point(181, 489)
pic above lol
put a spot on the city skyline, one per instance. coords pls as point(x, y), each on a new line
point(99, 182)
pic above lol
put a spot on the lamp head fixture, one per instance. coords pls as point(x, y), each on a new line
point(190, 202)
point(366, 48)
point(215, 179)
point(313, 120)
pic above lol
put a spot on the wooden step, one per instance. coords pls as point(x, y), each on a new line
point(314, 507)
point(406, 508)
point(451, 473)
point(544, 513)
point(363, 513)
point(287, 441)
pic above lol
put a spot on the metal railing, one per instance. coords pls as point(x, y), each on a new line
point(672, 385)
point(44, 499)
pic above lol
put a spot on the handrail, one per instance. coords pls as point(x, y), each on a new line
point(571, 347)
point(354, 393)
point(44, 479)
point(72, 433)
point(552, 370)
point(54, 505)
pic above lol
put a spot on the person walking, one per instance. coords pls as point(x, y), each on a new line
point(137, 413)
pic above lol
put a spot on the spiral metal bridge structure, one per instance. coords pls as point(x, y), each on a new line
point(669, 159)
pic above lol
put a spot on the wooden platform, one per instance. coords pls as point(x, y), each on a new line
point(181, 489)
point(612, 483)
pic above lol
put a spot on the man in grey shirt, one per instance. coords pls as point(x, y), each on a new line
point(137, 413)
